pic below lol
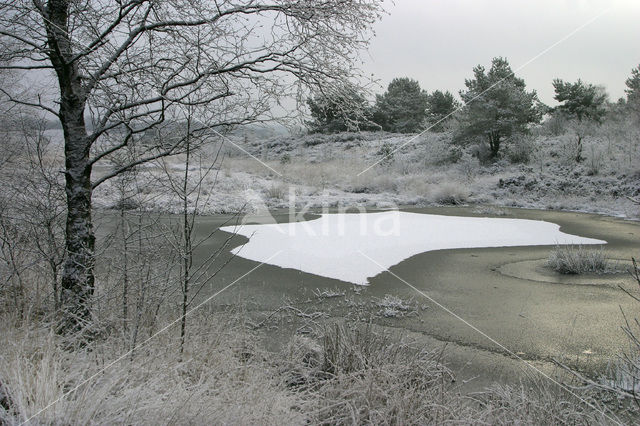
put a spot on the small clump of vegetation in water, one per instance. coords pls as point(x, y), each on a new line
point(393, 307)
point(579, 260)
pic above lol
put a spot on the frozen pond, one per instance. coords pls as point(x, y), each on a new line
point(356, 247)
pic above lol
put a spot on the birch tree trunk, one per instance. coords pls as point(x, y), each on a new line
point(78, 271)
point(77, 281)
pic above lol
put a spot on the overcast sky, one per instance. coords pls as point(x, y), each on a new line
point(438, 42)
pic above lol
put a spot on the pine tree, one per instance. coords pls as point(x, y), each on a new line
point(580, 100)
point(633, 90)
point(403, 107)
point(497, 105)
point(585, 107)
point(441, 106)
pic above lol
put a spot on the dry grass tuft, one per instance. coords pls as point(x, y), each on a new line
point(276, 192)
point(393, 306)
point(539, 403)
point(579, 260)
point(450, 193)
point(366, 376)
point(361, 375)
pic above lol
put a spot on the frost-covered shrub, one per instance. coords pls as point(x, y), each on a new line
point(384, 183)
point(520, 151)
point(393, 306)
point(452, 155)
point(482, 152)
point(314, 140)
point(372, 185)
point(276, 191)
point(566, 150)
point(285, 159)
point(595, 160)
point(555, 125)
point(468, 166)
point(450, 193)
point(439, 150)
point(406, 164)
point(386, 153)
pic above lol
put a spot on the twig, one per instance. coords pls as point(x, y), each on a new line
point(298, 312)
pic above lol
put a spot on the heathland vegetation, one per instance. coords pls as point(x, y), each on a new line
point(499, 146)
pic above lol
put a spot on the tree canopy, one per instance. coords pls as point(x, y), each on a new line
point(339, 111)
point(403, 107)
point(441, 105)
point(497, 105)
point(633, 90)
point(580, 100)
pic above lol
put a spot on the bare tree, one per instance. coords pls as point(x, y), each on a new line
point(32, 211)
point(143, 276)
point(39, 189)
point(123, 68)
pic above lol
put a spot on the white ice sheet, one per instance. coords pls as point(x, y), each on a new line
point(342, 246)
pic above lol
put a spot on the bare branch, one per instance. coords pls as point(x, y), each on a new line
point(38, 104)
